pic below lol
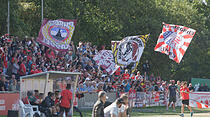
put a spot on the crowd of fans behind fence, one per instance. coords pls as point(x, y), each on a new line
point(21, 57)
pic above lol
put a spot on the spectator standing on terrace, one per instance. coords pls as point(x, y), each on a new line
point(66, 100)
point(98, 108)
point(201, 87)
point(22, 70)
point(126, 75)
point(205, 87)
point(2, 84)
point(172, 95)
point(138, 76)
point(146, 67)
point(127, 86)
point(191, 88)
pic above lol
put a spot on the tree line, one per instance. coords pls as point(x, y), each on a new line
point(101, 21)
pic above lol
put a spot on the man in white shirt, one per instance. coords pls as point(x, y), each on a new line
point(113, 109)
point(123, 109)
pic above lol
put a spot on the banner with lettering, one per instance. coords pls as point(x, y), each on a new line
point(128, 51)
point(200, 99)
point(174, 41)
point(8, 101)
point(56, 34)
point(105, 59)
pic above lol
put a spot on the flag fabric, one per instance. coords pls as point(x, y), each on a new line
point(105, 59)
point(200, 99)
point(56, 34)
point(128, 51)
point(174, 41)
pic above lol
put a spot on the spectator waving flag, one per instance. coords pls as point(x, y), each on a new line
point(56, 34)
point(129, 50)
point(174, 41)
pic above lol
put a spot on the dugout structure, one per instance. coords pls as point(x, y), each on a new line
point(44, 82)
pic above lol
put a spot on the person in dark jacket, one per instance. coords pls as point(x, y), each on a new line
point(47, 105)
point(98, 108)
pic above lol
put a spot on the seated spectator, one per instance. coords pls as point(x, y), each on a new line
point(47, 105)
point(25, 100)
point(36, 94)
point(32, 99)
point(57, 102)
point(206, 88)
point(40, 99)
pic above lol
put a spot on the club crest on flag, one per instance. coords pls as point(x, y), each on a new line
point(174, 41)
point(129, 50)
point(56, 34)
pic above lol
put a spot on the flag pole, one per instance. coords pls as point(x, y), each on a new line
point(8, 18)
point(42, 10)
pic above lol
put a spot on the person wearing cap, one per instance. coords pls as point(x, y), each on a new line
point(172, 95)
point(98, 108)
point(113, 109)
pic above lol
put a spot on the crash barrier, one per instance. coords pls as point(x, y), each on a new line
point(139, 99)
point(8, 101)
point(149, 99)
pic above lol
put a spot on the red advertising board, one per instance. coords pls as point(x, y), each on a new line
point(8, 101)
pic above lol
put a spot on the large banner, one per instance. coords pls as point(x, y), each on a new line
point(128, 52)
point(105, 59)
point(8, 101)
point(174, 41)
point(56, 34)
point(200, 99)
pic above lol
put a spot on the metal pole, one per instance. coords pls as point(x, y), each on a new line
point(8, 18)
point(42, 11)
point(45, 85)
point(74, 96)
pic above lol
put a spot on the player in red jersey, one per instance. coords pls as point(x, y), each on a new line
point(184, 92)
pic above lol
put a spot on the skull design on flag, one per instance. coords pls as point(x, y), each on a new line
point(129, 50)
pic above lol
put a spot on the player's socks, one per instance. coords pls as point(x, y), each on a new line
point(191, 114)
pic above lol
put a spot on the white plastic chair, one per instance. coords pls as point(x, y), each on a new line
point(27, 109)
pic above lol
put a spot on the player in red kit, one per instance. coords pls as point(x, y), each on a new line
point(66, 97)
point(184, 92)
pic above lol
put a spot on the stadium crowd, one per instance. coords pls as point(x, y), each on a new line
point(21, 57)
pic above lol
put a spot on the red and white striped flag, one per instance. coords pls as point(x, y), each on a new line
point(174, 41)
